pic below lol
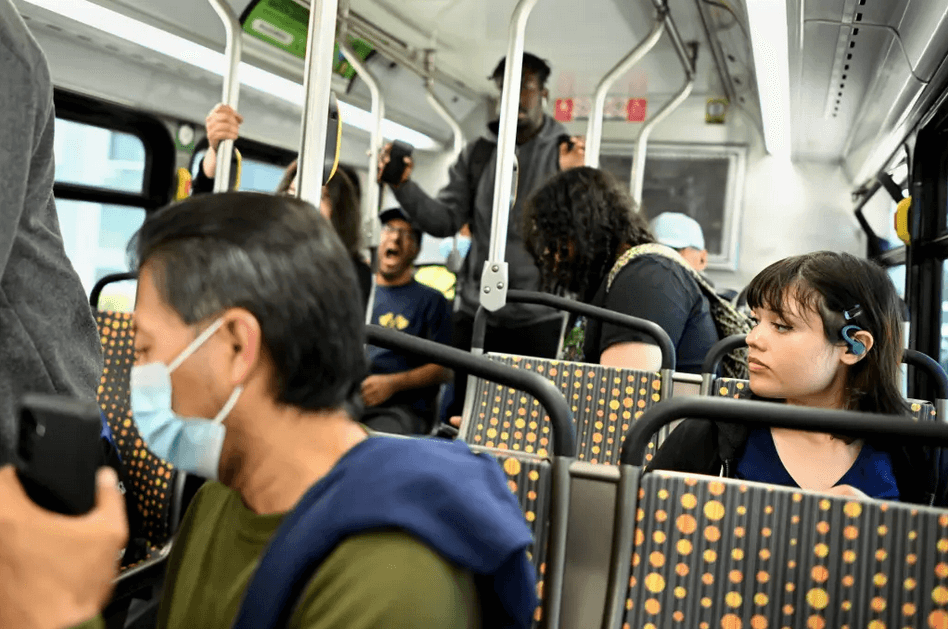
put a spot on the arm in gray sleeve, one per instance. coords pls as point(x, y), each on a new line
point(445, 215)
point(25, 117)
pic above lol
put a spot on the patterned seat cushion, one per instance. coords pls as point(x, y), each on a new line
point(715, 553)
point(530, 478)
point(604, 401)
point(147, 477)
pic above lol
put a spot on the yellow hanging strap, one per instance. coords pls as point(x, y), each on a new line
point(902, 220)
point(184, 185)
point(238, 163)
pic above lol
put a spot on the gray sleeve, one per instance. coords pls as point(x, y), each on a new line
point(444, 215)
point(25, 111)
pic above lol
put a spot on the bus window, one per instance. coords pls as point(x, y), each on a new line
point(255, 175)
point(96, 236)
point(99, 157)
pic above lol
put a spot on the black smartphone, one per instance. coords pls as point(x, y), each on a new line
point(58, 452)
point(392, 173)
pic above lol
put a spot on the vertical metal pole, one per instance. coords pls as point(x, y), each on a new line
point(594, 127)
point(316, 83)
point(641, 144)
point(375, 144)
point(231, 91)
point(494, 278)
point(378, 114)
point(452, 263)
point(442, 110)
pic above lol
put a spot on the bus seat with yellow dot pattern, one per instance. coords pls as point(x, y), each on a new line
point(737, 389)
point(148, 478)
point(714, 553)
point(530, 478)
point(605, 401)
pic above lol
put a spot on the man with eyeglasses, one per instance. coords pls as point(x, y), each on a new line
point(404, 386)
point(543, 149)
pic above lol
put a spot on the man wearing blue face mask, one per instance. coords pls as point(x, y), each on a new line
point(249, 360)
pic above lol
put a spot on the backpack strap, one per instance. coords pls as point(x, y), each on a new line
point(483, 150)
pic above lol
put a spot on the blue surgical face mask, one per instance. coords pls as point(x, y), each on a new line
point(190, 444)
point(454, 250)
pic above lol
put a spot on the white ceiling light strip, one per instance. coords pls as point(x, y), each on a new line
point(163, 42)
point(769, 39)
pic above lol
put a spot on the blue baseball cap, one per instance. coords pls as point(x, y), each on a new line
point(678, 231)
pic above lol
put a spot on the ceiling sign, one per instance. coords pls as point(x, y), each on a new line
point(636, 109)
point(615, 109)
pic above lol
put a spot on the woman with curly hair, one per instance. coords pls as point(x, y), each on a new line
point(588, 240)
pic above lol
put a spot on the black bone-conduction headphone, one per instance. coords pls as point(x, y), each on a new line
point(855, 347)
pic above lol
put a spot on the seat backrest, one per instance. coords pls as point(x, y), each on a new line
point(710, 552)
point(604, 400)
point(733, 388)
point(150, 479)
point(530, 478)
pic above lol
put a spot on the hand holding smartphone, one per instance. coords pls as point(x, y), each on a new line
point(58, 452)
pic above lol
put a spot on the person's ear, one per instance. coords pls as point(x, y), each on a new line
point(545, 98)
point(245, 344)
point(858, 343)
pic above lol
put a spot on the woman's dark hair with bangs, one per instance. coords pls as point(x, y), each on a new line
point(829, 284)
point(576, 226)
point(346, 217)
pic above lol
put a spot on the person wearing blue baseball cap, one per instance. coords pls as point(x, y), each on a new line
point(684, 234)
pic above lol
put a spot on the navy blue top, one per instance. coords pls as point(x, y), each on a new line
point(418, 310)
point(871, 473)
point(451, 499)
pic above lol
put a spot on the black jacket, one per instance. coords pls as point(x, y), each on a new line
point(705, 447)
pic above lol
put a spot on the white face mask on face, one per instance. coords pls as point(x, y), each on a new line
point(190, 444)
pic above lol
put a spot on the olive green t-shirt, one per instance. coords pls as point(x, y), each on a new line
point(376, 579)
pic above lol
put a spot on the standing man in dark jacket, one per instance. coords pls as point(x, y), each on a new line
point(48, 338)
point(469, 198)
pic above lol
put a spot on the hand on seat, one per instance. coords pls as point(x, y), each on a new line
point(55, 570)
point(377, 388)
point(455, 421)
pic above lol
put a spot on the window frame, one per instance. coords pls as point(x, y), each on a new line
point(736, 154)
point(159, 170)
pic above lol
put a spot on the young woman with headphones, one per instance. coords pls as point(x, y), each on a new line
point(828, 335)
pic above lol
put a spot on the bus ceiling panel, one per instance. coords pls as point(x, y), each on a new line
point(580, 40)
point(133, 75)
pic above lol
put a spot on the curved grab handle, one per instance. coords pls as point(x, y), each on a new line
point(774, 414)
point(712, 362)
point(105, 281)
point(651, 328)
point(929, 365)
point(561, 416)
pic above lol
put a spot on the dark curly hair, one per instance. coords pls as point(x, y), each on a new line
point(576, 226)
